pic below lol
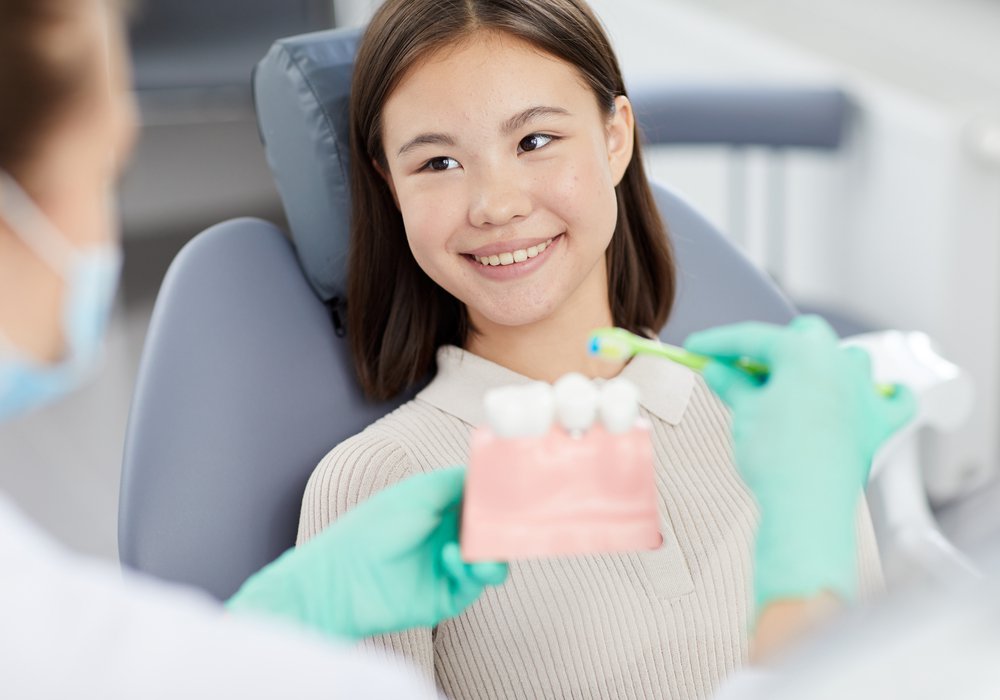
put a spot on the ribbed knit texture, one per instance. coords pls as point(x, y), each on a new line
point(670, 623)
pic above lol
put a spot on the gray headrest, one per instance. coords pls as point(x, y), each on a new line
point(301, 89)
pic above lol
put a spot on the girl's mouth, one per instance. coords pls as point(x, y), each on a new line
point(513, 263)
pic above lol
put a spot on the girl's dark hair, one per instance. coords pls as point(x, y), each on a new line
point(41, 72)
point(397, 316)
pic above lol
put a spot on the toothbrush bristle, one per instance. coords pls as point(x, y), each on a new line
point(608, 347)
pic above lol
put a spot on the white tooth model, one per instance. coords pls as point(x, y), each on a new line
point(619, 405)
point(546, 478)
point(576, 402)
point(520, 411)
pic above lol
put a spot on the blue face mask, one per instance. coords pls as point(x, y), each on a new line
point(91, 278)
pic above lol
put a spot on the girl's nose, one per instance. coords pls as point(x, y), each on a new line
point(497, 199)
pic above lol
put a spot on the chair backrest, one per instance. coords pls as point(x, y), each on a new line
point(245, 382)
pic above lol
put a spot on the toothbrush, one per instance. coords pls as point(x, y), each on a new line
point(620, 344)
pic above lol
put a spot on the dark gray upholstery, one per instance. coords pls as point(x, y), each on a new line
point(242, 388)
point(776, 116)
point(244, 383)
point(301, 89)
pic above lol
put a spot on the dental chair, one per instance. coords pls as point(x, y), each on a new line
point(246, 379)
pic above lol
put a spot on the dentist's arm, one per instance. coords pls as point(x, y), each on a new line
point(74, 627)
point(804, 440)
point(390, 564)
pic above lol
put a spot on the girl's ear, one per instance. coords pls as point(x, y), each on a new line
point(621, 138)
point(388, 180)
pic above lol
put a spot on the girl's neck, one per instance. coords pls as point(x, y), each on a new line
point(548, 349)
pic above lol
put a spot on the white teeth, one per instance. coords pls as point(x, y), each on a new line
point(530, 409)
point(514, 256)
point(520, 411)
point(576, 400)
point(540, 407)
point(619, 407)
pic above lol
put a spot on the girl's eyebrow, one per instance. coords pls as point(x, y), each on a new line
point(437, 139)
point(529, 114)
point(510, 125)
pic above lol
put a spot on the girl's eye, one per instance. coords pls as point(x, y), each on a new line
point(440, 163)
point(532, 142)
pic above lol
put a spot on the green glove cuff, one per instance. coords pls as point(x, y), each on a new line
point(799, 557)
point(275, 592)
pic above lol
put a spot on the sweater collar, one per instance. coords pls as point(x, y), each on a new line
point(463, 379)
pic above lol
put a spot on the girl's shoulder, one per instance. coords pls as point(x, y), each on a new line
point(415, 438)
point(391, 448)
point(379, 445)
point(350, 473)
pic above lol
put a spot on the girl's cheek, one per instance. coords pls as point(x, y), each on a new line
point(428, 224)
point(557, 177)
point(414, 202)
point(578, 184)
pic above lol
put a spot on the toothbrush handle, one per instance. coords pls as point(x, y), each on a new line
point(760, 371)
point(754, 369)
point(885, 390)
point(699, 362)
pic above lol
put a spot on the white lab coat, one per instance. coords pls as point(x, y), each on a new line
point(75, 628)
point(929, 643)
point(748, 684)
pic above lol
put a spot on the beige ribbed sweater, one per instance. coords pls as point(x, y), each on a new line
point(670, 623)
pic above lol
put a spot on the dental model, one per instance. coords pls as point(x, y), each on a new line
point(563, 469)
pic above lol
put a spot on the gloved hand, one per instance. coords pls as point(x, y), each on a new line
point(389, 564)
point(804, 439)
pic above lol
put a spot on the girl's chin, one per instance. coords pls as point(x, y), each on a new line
point(499, 318)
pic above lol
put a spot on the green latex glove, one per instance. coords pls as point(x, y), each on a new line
point(804, 440)
point(389, 564)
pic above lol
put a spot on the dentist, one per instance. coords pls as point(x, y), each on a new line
point(76, 628)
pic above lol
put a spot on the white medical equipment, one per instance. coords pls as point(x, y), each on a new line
point(912, 545)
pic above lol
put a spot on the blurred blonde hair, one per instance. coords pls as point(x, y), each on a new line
point(45, 66)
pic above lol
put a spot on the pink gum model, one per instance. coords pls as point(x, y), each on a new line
point(559, 494)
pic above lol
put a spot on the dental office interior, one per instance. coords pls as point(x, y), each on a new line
point(850, 150)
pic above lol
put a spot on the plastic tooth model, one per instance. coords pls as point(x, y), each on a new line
point(619, 407)
point(560, 470)
point(576, 402)
point(520, 411)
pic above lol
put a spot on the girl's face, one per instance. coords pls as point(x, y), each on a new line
point(504, 167)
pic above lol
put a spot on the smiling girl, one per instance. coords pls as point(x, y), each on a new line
point(501, 212)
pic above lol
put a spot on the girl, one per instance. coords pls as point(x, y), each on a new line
point(501, 212)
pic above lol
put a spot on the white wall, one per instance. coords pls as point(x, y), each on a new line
point(902, 227)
